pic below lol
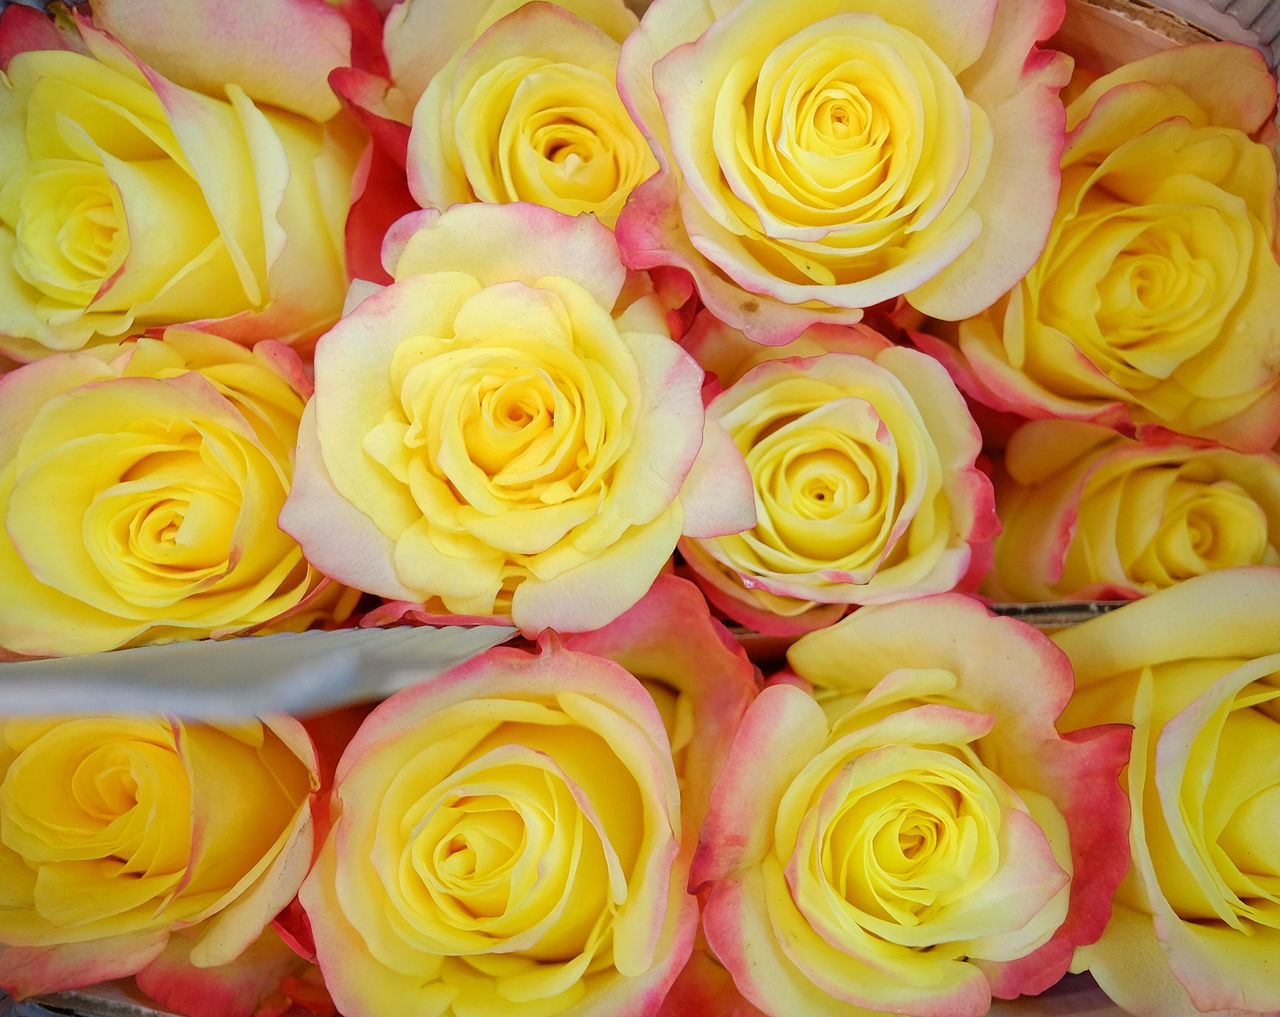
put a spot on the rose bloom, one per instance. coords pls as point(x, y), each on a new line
point(503, 843)
point(140, 486)
point(1196, 669)
point(820, 158)
point(1157, 298)
point(129, 202)
point(862, 457)
point(421, 38)
point(915, 836)
point(529, 112)
point(1090, 514)
point(149, 846)
point(508, 428)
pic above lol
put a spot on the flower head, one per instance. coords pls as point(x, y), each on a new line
point(504, 428)
point(529, 112)
point(820, 158)
point(140, 487)
point(503, 842)
point(906, 837)
point(129, 202)
point(1196, 670)
point(1156, 302)
point(123, 850)
point(862, 460)
point(1089, 513)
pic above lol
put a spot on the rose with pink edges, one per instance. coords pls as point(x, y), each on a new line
point(863, 463)
point(122, 853)
point(901, 827)
point(823, 157)
point(209, 187)
point(506, 840)
point(1092, 514)
point(529, 111)
point(1196, 670)
point(1156, 301)
point(508, 429)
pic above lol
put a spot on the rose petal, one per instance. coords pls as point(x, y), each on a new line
point(205, 47)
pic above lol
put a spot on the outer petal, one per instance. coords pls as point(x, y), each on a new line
point(266, 890)
point(671, 442)
point(279, 51)
point(499, 242)
point(232, 990)
point(1132, 969)
point(33, 971)
point(1020, 194)
point(717, 494)
point(1235, 605)
point(1036, 543)
point(597, 591)
point(783, 730)
point(333, 533)
point(23, 28)
point(1230, 82)
point(961, 637)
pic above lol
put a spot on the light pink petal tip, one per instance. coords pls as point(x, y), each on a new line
point(279, 51)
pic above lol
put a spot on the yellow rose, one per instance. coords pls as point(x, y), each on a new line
point(529, 112)
point(128, 202)
point(503, 844)
point(915, 836)
point(862, 458)
point(422, 37)
point(129, 842)
point(1091, 514)
point(140, 487)
point(507, 429)
point(1196, 669)
point(1157, 298)
point(818, 158)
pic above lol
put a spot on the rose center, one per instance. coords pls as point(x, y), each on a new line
point(1159, 280)
point(106, 787)
point(903, 848)
point(474, 862)
point(168, 524)
point(828, 487)
point(1205, 524)
point(70, 230)
point(116, 802)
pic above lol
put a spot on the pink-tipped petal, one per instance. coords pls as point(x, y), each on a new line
point(515, 241)
point(27, 971)
point(717, 496)
point(232, 990)
point(279, 51)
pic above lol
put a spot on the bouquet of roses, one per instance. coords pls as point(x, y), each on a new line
point(752, 362)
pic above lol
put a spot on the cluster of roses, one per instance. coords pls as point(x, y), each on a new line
point(835, 318)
